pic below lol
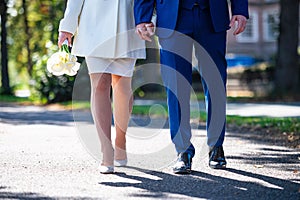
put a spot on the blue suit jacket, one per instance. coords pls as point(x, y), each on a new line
point(167, 11)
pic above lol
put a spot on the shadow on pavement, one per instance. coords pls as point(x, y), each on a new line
point(208, 186)
point(31, 195)
point(27, 118)
point(21, 195)
point(260, 137)
point(28, 115)
point(266, 157)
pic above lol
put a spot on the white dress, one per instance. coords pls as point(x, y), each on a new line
point(116, 66)
point(104, 34)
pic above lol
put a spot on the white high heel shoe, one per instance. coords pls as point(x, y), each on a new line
point(106, 169)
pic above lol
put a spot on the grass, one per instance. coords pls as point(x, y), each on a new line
point(284, 124)
point(76, 105)
point(14, 99)
point(277, 131)
point(159, 111)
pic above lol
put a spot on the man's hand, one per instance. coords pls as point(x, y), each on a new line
point(145, 31)
point(64, 36)
point(241, 23)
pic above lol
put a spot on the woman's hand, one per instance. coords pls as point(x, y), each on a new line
point(62, 36)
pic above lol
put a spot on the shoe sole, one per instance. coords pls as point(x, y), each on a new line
point(218, 166)
point(107, 172)
point(188, 171)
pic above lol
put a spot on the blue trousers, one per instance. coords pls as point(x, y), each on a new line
point(194, 29)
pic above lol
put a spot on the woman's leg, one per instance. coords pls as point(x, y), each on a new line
point(122, 100)
point(102, 113)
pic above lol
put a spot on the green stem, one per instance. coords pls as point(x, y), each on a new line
point(65, 48)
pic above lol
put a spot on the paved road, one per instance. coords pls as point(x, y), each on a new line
point(43, 157)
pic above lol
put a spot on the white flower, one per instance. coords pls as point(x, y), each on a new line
point(71, 68)
point(63, 62)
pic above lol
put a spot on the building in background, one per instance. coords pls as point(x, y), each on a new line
point(259, 40)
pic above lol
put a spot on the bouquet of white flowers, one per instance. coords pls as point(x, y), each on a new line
point(63, 62)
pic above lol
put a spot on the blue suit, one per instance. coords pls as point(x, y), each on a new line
point(167, 12)
point(182, 25)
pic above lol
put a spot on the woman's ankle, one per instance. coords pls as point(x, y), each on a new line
point(107, 164)
point(120, 154)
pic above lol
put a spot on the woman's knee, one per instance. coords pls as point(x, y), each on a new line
point(122, 85)
point(101, 82)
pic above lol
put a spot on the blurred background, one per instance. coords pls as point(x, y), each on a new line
point(263, 62)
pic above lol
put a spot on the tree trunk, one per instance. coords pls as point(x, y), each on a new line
point(287, 69)
point(4, 55)
point(27, 38)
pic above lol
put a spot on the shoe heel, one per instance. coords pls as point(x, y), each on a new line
point(120, 163)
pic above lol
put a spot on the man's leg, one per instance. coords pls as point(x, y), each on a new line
point(177, 76)
point(176, 56)
point(214, 83)
point(214, 43)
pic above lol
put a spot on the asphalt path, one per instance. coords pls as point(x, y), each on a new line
point(43, 157)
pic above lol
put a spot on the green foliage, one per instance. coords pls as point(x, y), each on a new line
point(43, 20)
point(49, 88)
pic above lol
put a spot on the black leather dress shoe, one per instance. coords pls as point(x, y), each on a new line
point(217, 158)
point(183, 164)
